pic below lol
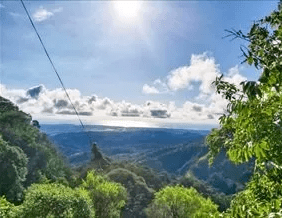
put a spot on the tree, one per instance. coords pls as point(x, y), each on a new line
point(180, 202)
point(108, 197)
point(36, 124)
point(13, 171)
point(56, 200)
point(252, 126)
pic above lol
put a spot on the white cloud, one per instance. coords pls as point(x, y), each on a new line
point(194, 112)
point(2, 6)
point(42, 14)
point(157, 109)
point(41, 102)
point(202, 69)
point(234, 76)
point(150, 89)
point(159, 87)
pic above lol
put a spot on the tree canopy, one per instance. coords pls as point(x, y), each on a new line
point(180, 202)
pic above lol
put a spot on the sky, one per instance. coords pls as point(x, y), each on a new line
point(128, 63)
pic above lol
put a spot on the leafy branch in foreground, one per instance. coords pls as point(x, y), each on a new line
point(252, 126)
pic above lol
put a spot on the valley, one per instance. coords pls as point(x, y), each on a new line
point(174, 151)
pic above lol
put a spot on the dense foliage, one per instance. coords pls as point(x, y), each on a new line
point(7, 209)
point(108, 197)
point(13, 164)
point(180, 202)
point(251, 128)
point(189, 180)
point(139, 194)
point(56, 200)
point(36, 178)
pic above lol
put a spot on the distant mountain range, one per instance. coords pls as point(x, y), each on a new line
point(176, 151)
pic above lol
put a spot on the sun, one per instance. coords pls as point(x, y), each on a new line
point(127, 10)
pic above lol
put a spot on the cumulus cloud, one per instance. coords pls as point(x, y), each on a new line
point(59, 103)
point(158, 87)
point(42, 14)
point(159, 113)
point(103, 104)
point(157, 109)
point(150, 89)
point(2, 6)
point(92, 99)
point(126, 109)
point(39, 100)
point(234, 76)
point(202, 69)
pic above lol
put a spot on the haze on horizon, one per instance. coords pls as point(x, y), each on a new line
point(129, 63)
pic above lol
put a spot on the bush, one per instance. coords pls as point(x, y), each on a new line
point(56, 200)
point(108, 197)
point(180, 202)
point(7, 209)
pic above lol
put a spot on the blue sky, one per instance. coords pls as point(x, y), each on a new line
point(144, 61)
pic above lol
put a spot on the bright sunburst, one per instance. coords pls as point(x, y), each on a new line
point(127, 10)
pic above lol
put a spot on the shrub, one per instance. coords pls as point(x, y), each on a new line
point(7, 209)
point(56, 200)
point(181, 202)
point(108, 197)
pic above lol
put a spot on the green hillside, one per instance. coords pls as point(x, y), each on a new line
point(36, 178)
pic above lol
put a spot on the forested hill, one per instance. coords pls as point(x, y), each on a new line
point(26, 154)
point(174, 151)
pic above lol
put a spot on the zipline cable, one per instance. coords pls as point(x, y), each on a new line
point(54, 68)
